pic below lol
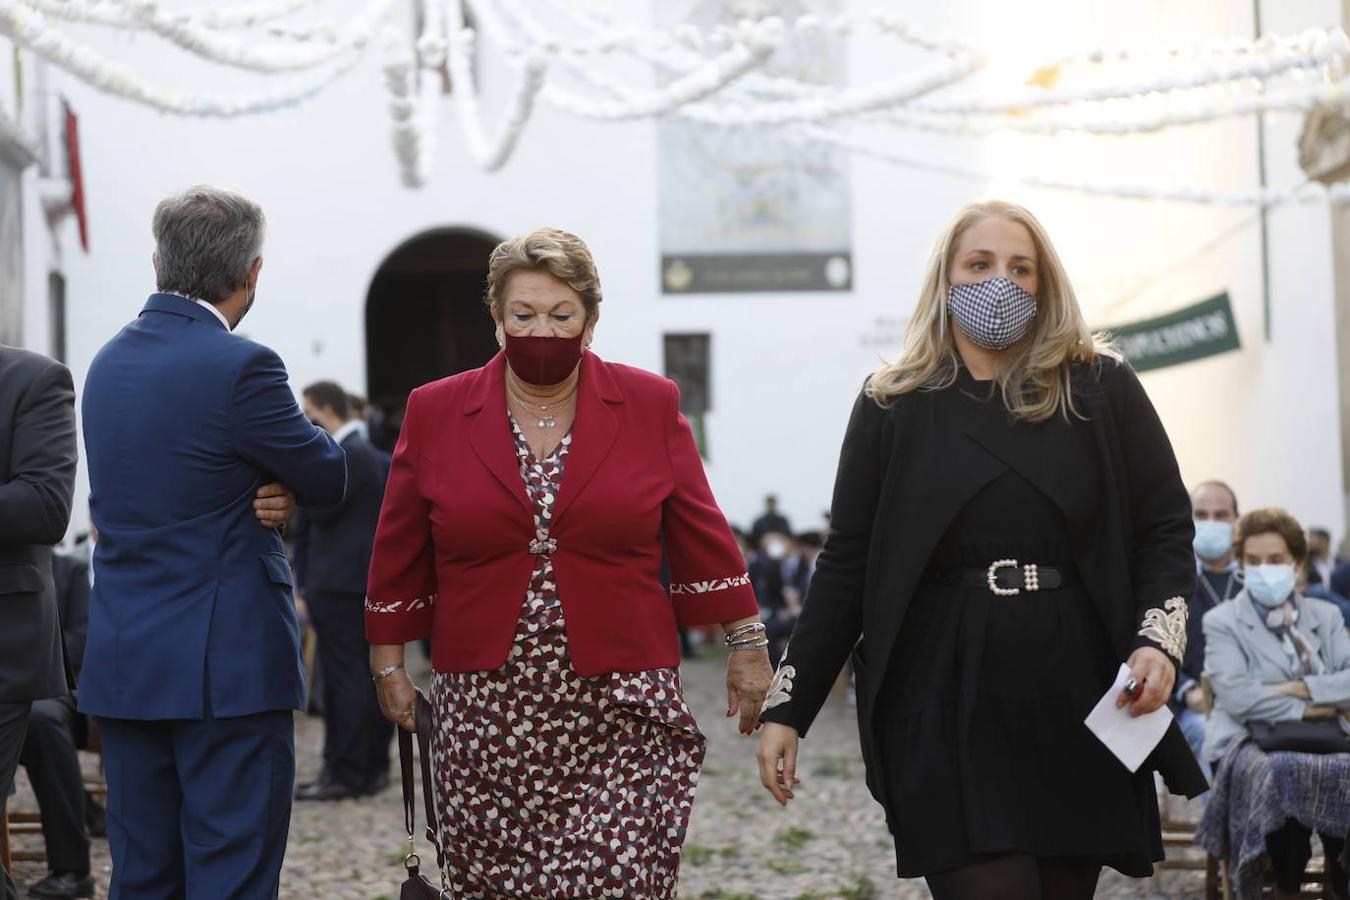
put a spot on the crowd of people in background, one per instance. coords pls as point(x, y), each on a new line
point(780, 563)
point(1266, 669)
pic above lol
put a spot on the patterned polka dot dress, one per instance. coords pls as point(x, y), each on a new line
point(555, 786)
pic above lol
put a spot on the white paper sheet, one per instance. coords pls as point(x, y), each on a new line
point(1130, 738)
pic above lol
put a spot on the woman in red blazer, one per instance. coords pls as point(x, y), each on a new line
point(527, 509)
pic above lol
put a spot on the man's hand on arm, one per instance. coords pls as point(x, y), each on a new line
point(274, 505)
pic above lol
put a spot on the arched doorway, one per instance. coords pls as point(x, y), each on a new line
point(425, 317)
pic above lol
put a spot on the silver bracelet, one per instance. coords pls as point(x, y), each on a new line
point(746, 648)
point(745, 632)
point(386, 672)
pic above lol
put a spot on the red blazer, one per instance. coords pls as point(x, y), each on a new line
point(452, 557)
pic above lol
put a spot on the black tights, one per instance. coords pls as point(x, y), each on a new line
point(1290, 849)
point(1018, 877)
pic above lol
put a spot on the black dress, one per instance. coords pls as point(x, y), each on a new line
point(971, 705)
point(984, 746)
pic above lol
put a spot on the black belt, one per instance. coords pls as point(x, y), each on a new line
point(1005, 577)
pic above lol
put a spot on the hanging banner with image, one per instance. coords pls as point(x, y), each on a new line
point(1204, 329)
point(749, 209)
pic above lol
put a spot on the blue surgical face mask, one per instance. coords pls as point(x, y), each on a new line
point(1213, 539)
point(1270, 585)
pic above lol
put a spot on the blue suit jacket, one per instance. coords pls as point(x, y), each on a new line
point(192, 614)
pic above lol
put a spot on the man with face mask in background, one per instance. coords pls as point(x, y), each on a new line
point(197, 455)
point(1214, 508)
point(771, 520)
point(768, 575)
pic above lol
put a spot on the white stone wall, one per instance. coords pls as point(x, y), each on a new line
point(785, 367)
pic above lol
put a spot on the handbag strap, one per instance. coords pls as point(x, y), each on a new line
point(405, 761)
point(426, 725)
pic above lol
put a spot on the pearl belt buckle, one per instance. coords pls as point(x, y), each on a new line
point(1031, 578)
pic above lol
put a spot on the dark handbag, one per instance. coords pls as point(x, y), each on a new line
point(1300, 736)
point(416, 887)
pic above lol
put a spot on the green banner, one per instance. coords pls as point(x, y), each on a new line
point(1205, 329)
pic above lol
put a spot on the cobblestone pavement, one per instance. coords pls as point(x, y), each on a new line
point(830, 843)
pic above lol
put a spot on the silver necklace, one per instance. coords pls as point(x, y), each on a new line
point(545, 420)
point(1209, 588)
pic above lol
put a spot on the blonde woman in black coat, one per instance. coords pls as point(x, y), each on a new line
point(1008, 527)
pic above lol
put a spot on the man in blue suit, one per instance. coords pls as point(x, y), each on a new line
point(192, 664)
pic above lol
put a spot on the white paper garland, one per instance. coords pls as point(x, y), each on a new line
point(197, 37)
point(490, 153)
point(1310, 192)
point(412, 111)
point(763, 37)
point(1333, 47)
point(1268, 57)
point(714, 76)
point(29, 29)
point(249, 15)
point(1279, 99)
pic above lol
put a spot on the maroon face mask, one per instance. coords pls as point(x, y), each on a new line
point(543, 361)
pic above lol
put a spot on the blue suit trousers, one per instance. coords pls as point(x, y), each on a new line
point(198, 808)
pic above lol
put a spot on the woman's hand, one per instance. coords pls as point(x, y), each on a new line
point(1320, 712)
point(398, 699)
point(777, 757)
point(1154, 672)
point(748, 677)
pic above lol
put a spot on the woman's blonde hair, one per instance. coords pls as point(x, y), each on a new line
point(1035, 381)
point(559, 253)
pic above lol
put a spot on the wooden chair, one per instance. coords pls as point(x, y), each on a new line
point(16, 823)
point(5, 861)
point(1178, 835)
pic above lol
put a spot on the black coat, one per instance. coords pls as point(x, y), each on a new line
point(71, 577)
point(900, 484)
point(37, 479)
point(333, 543)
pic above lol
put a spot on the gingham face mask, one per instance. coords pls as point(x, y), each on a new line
point(995, 314)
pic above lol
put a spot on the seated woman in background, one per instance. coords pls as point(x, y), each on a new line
point(1273, 655)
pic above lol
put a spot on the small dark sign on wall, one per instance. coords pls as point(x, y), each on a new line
point(1204, 329)
point(688, 364)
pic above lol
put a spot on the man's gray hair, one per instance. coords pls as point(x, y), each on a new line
point(206, 240)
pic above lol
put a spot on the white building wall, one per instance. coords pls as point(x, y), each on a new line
point(785, 367)
point(18, 100)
